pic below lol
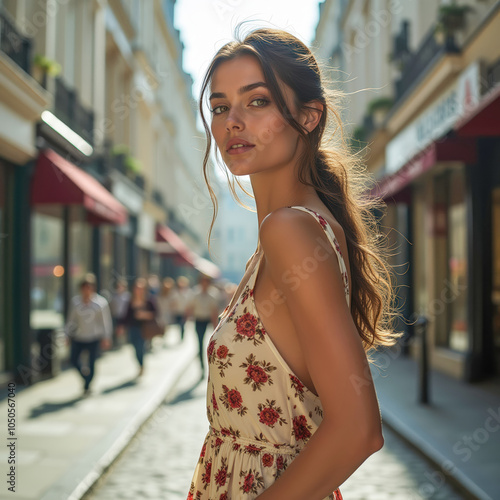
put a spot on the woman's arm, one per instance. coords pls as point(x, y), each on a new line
point(304, 267)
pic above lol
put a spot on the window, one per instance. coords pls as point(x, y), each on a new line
point(47, 269)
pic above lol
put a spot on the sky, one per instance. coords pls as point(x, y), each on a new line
point(205, 25)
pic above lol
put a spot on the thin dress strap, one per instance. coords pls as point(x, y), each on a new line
point(335, 244)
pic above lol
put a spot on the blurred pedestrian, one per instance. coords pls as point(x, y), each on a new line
point(154, 285)
point(164, 303)
point(118, 305)
point(181, 296)
point(140, 309)
point(204, 308)
point(89, 324)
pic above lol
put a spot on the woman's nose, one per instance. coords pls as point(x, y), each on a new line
point(234, 120)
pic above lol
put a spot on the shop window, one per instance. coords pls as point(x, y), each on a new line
point(80, 247)
point(3, 240)
point(47, 269)
point(105, 257)
point(450, 233)
point(495, 295)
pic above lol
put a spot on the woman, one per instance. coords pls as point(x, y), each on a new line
point(164, 302)
point(290, 400)
point(139, 310)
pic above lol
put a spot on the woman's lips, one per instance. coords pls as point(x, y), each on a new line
point(240, 150)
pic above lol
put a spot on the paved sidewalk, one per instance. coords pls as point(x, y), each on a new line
point(459, 431)
point(65, 441)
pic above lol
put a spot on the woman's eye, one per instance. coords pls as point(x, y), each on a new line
point(218, 110)
point(260, 102)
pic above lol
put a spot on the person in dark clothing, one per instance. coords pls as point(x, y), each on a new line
point(139, 309)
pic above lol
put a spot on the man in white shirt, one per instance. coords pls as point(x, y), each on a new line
point(89, 324)
point(204, 308)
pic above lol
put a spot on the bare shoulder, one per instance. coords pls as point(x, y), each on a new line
point(289, 223)
point(293, 231)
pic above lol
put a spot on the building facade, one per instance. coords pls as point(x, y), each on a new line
point(433, 146)
point(100, 158)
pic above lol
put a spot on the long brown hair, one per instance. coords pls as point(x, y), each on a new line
point(337, 174)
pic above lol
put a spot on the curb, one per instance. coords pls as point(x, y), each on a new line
point(76, 484)
point(458, 479)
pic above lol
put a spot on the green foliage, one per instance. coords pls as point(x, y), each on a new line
point(451, 17)
point(133, 164)
point(49, 66)
point(383, 103)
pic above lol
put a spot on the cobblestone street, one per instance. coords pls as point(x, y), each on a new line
point(160, 460)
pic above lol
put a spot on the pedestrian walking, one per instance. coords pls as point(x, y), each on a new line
point(180, 299)
point(89, 327)
point(290, 394)
point(204, 308)
point(118, 305)
point(164, 303)
point(140, 309)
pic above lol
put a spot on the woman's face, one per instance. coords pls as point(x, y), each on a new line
point(244, 113)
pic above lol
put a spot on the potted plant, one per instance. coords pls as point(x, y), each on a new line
point(451, 18)
point(378, 108)
point(43, 66)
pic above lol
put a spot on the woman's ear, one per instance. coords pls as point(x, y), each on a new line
point(311, 115)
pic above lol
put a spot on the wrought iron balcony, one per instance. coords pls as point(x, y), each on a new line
point(157, 197)
point(12, 43)
point(428, 54)
point(69, 109)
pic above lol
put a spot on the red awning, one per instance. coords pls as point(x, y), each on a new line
point(449, 149)
point(483, 120)
point(58, 181)
point(170, 244)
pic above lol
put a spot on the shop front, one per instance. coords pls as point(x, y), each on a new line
point(67, 205)
point(440, 182)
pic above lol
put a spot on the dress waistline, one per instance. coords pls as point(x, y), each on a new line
point(253, 446)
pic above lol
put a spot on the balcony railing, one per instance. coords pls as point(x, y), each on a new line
point(423, 59)
point(12, 43)
point(157, 197)
point(69, 109)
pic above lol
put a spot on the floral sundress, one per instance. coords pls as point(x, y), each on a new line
point(260, 414)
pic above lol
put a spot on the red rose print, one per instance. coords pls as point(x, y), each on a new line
point(218, 441)
point(223, 496)
point(221, 476)
point(268, 416)
point(214, 402)
point(246, 325)
point(190, 496)
point(225, 432)
point(236, 446)
point(300, 428)
point(222, 352)
point(208, 470)
point(247, 485)
point(203, 450)
point(234, 398)
point(257, 374)
point(279, 463)
point(210, 348)
point(297, 384)
point(252, 449)
point(267, 460)
point(322, 221)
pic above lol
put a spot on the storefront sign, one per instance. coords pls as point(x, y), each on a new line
point(436, 120)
